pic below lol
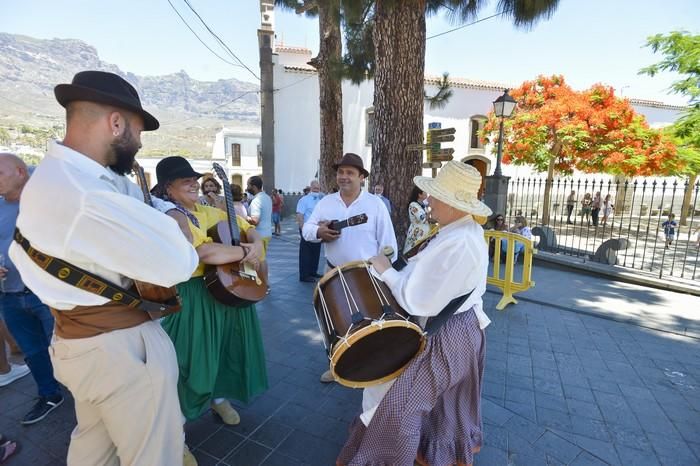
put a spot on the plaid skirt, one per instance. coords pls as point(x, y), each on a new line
point(433, 411)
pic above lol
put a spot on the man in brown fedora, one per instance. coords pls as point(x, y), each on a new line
point(354, 243)
point(79, 207)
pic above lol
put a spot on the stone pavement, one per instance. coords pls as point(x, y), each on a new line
point(560, 387)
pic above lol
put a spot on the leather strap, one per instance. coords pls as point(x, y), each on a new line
point(434, 323)
point(84, 280)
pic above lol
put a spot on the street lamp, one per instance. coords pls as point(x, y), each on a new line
point(503, 108)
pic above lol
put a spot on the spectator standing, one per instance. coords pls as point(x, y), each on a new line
point(669, 227)
point(379, 192)
point(586, 207)
point(211, 193)
point(608, 208)
point(238, 206)
point(260, 209)
point(27, 318)
point(309, 252)
point(595, 208)
point(570, 203)
point(277, 204)
point(520, 227)
point(419, 227)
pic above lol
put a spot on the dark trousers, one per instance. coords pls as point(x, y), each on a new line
point(569, 210)
point(31, 324)
point(309, 254)
point(594, 214)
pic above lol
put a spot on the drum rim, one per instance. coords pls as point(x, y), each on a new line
point(334, 271)
point(368, 330)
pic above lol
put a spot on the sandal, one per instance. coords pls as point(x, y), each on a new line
point(8, 449)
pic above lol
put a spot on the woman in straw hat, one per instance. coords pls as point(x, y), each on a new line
point(431, 414)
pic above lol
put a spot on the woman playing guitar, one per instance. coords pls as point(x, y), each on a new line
point(219, 348)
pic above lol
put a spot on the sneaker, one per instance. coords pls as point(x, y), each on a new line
point(42, 408)
point(226, 412)
point(188, 458)
point(17, 371)
point(327, 377)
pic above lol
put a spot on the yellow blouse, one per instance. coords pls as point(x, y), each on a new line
point(208, 217)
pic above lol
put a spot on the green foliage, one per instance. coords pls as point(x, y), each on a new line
point(681, 51)
point(442, 96)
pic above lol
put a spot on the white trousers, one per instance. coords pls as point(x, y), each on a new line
point(125, 388)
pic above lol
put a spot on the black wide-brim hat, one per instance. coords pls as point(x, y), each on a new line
point(104, 88)
point(172, 168)
point(352, 160)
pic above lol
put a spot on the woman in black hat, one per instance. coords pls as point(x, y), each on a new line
point(219, 348)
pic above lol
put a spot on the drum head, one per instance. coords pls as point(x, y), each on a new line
point(374, 354)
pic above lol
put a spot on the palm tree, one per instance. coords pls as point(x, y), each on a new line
point(399, 37)
point(329, 84)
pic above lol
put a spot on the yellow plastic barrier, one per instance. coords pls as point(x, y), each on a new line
point(507, 283)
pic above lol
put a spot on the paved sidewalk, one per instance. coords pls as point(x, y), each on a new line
point(560, 387)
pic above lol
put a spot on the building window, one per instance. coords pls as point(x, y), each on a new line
point(235, 155)
point(369, 127)
point(259, 155)
point(477, 125)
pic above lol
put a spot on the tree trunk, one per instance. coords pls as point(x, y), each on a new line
point(549, 182)
point(330, 91)
point(399, 43)
point(686, 208)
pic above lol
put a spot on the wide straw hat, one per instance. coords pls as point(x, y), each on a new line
point(457, 184)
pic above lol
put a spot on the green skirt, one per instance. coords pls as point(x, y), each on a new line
point(219, 350)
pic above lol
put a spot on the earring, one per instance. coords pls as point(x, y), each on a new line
point(116, 133)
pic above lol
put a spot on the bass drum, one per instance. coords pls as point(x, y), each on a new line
point(368, 336)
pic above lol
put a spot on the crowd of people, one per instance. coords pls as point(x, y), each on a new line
point(138, 369)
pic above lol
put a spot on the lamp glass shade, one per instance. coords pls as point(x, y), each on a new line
point(504, 105)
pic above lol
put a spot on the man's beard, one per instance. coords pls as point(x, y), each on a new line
point(124, 151)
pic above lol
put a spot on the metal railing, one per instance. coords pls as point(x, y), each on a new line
point(635, 214)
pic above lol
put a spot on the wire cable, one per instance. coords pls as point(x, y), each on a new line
point(469, 24)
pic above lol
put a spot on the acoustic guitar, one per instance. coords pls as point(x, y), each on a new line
point(338, 225)
point(236, 283)
point(159, 294)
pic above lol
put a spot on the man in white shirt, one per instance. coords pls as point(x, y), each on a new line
point(260, 209)
point(78, 206)
point(359, 242)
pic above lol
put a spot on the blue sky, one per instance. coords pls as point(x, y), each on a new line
point(586, 41)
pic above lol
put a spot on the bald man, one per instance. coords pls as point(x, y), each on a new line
point(27, 318)
point(78, 206)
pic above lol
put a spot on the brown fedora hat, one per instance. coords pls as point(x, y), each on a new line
point(352, 160)
point(104, 88)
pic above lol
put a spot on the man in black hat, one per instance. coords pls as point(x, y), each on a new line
point(354, 243)
point(79, 207)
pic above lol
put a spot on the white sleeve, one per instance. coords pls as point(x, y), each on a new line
point(256, 207)
point(161, 205)
point(151, 245)
point(385, 231)
point(437, 276)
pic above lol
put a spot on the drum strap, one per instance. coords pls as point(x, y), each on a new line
point(434, 323)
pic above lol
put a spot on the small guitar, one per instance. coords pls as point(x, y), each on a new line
point(338, 225)
point(148, 291)
point(233, 284)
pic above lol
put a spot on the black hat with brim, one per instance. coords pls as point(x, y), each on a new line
point(352, 160)
point(173, 168)
point(104, 88)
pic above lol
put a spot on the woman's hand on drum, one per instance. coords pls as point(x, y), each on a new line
point(380, 263)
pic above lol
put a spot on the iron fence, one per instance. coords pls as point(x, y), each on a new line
point(630, 235)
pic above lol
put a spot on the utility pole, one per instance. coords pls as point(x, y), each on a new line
point(266, 44)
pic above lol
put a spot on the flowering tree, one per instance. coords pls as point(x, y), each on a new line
point(555, 128)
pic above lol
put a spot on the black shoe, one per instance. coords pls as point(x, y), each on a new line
point(308, 279)
point(42, 408)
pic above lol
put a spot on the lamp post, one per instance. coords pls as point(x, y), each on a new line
point(503, 108)
point(496, 185)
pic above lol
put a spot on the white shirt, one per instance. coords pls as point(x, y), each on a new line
point(77, 210)
point(452, 264)
point(359, 242)
point(261, 207)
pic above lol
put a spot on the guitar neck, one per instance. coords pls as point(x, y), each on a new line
point(339, 225)
point(228, 195)
point(141, 177)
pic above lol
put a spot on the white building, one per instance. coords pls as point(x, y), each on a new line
point(297, 121)
point(236, 150)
